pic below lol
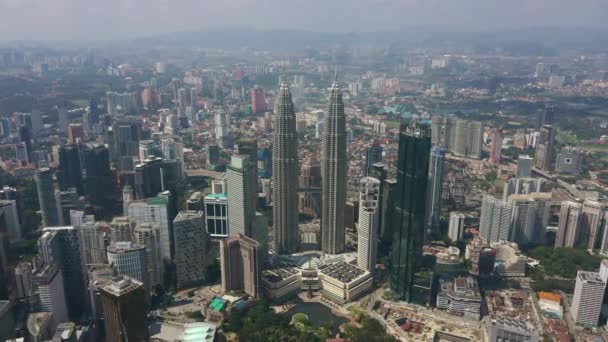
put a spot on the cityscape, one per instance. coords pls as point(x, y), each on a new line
point(268, 185)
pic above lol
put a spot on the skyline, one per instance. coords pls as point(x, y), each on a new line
point(118, 20)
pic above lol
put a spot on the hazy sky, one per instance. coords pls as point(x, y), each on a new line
point(111, 19)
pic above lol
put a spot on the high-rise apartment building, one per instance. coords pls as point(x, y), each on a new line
point(524, 166)
point(545, 149)
point(221, 129)
point(48, 284)
point(333, 175)
point(258, 101)
point(495, 219)
point(122, 229)
point(369, 218)
point(587, 299)
point(155, 210)
point(458, 136)
point(591, 222)
point(530, 217)
point(496, 148)
point(46, 197)
point(456, 226)
point(190, 245)
point(125, 310)
point(285, 171)
point(408, 279)
point(568, 227)
point(544, 117)
point(148, 235)
point(131, 260)
point(240, 263)
point(435, 187)
point(521, 186)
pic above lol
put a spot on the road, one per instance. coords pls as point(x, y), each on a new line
point(203, 173)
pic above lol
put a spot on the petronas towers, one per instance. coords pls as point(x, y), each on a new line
point(285, 168)
point(333, 175)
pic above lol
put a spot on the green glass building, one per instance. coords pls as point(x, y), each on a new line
point(410, 280)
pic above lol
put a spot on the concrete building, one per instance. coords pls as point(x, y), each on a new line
point(495, 220)
point(524, 166)
point(569, 161)
point(47, 283)
point(190, 245)
point(502, 329)
point(521, 186)
point(460, 296)
point(99, 276)
point(125, 310)
point(587, 299)
point(369, 215)
point(148, 235)
point(343, 282)
point(545, 149)
point(155, 210)
point(285, 171)
point(241, 179)
point(240, 262)
point(530, 217)
point(122, 229)
point(496, 148)
point(510, 261)
point(456, 226)
point(195, 202)
point(93, 238)
point(129, 259)
point(568, 227)
point(23, 279)
point(280, 284)
point(310, 179)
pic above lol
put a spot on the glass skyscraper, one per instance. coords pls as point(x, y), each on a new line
point(409, 279)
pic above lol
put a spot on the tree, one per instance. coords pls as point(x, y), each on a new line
point(371, 330)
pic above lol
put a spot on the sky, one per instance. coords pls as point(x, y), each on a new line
point(120, 19)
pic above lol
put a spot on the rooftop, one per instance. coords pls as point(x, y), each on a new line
point(342, 271)
point(590, 277)
point(122, 285)
point(217, 196)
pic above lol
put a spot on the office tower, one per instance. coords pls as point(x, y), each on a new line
point(155, 210)
point(242, 194)
point(61, 246)
point(62, 119)
point(333, 175)
point(530, 217)
point(369, 215)
point(98, 181)
point(75, 133)
point(148, 235)
point(521, 186)
point(568, 232)
point(258, 101)
point(435, 186)
point(100, 275)
point(122, 229)
point(587, 299)
point(373, 155)
point(310, 184)
point(69, 173)
point(456, 226)
point(212, 156)
point(216, 212)
point(11, 216)
point(46, 197)
point(25, 137)
point(240, 264)
point(284, 172)
point(125, 310)
point(495, 219)
point(544, 117)
point(155, 175)
point(409, 211)
point(524, 166)
point(190, 245)
point(147, 149)
point(5, 127)
point(68, 201)
point(48, 284)
point(23, 279)
point(264, 162)
point(173, 149)
point(129, 259)
point(121, 103)
point(569, 161)
point(126, 134)
point(36, 119)
point(21, 154)
point(545, 149)
point(590, 223)
point(496, 148)
point(221, 129)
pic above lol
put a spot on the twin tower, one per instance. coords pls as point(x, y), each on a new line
point(285, 170)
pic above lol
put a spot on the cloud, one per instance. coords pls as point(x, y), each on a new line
point(115, 19)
